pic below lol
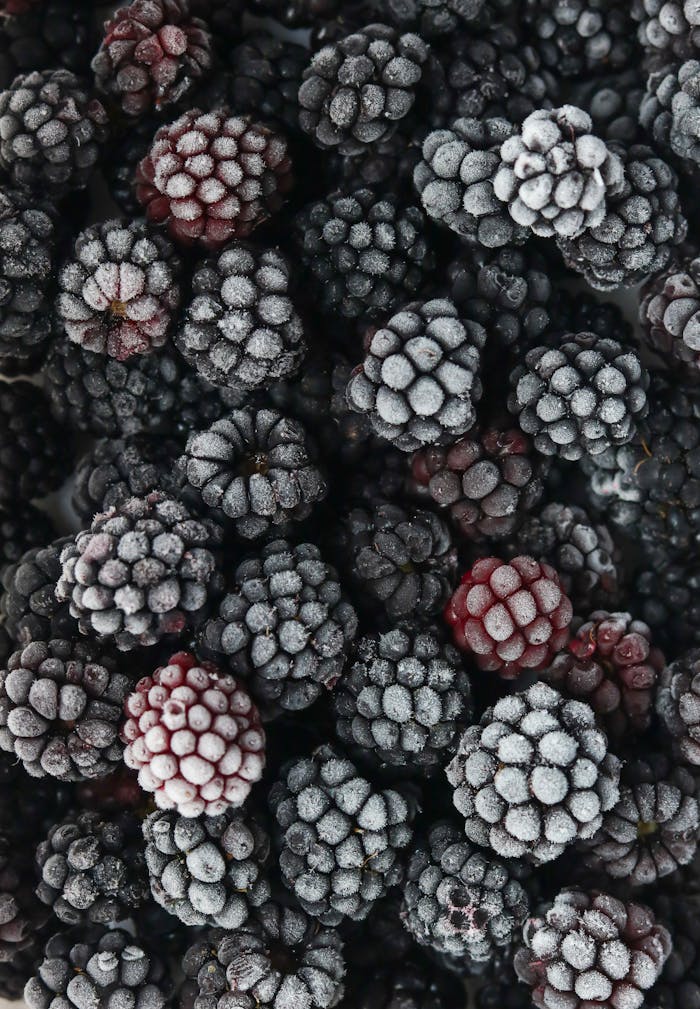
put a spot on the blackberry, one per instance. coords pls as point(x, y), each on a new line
point(23, 916)
point(240, 327)
point(669, 29)
point(355, 90)
point(28, 604)
point(420, 381)
point(592, 948)
point(340, 840)
point(667, 599)
point(286, 627)
point(92, 869)
point(22, 528)
point(209, 870)
point(387, 165)
point(365, 254)
point(488, 481)
point(534, 776)
point(415, 983)
point(266, 74)
point(613, 104)
point(455, 181)
point(402, 559)
point(436, 18)
point(122, 157)
point(404, 699)
point(60, 708)
point(670, 315)
point(457, 900)
point(50, 34)
point(277, 959)
point(581, 312)
point(679, 984)
point(653, 827)
point(678, 705)
point(578, 37)
point(556, 176)
point(34, 451)
point(52, 132)
point(152, 53)
point(210, 177)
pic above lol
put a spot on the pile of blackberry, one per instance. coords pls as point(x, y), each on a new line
point(350, 504)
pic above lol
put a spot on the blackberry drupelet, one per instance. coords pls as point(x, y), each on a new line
point(286, 627)
point(678, 705)
point(670, 315)
point(340, 840)
point(22, 528)
point(579, 37)
point(34, 450)
point(404, 699)
point(60, 708)
point(534, 776)
point(140, 572)
point(55, 33)
point(28, 604)
point(420, 381)
point(668, 599)
point(459, 901)
point(265, 77)
point(210, 870)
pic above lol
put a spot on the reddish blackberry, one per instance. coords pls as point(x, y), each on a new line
point(194, 736)
point(22, 528)
point(34, 450)
point(534, 775)
point(51, 132)
point(578, 37)
point(265, 76)
point(510, 615)
point(210, 177)
point(670, 315)
point(152, 54)
point(28, 604)
point(53, 33)
point(668, 599)
point(678, 705)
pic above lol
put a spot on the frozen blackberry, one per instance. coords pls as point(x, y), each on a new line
point(580, 398)
point(556, 176)
point(404, 699)
point(141, 571)
point(581, 312)
point(402, 559)
point(34, 450)
point(669, 111)
point(209, 870)
point(487, 480)
point(534, 775)
point(459, 901)
point(121, 159)
point(436, 18)
point(152, 54)
point(279, 958)
point(413, 983)
point(240, 327)
point(100, 966)
point(23, 916)
point(669, 29)
point(51, 132)
point(678, 705)
point(60, 707)
point(92, 868)
point(55, 33)
point(679, 984)
point(22, 528)
point(385, 166)
point(285, 627)
point(613, 104)
point(266, 73)
point(420, 381)
point(653, 828)
point(592, 949)
point(364, 253)
point(340, 840)
point(210, 177)
point(28, 604)
point(670, 315)
point(455, 181)
point(578, 37)
point(510, 615)
point(668, 599)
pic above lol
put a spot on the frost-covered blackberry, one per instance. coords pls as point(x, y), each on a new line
point(28, 604)
point(678, 705)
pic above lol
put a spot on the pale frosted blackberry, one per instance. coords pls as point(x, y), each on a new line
point(29, 607)
point(534, 775)
point(140, 572)
point(668, 29)
point(286, 626)
point(52, 132)
point(668, 599)
point(420, 381)
point(578, 37)
point(455, 181)
point(653, 828)
point(52, 34)
point(207, 870)
point(34, 450)
point(402, 559)
point(364, 253)
point(240, 327)
point(22, 528)
point(278, 959)
point(459, 901)
point(340, 840)
point(60, 708)
point(556, 176)
point(670, 315)
point(92, 868)
point(670, 111)
point(265, 76)
point(354, 91)
point(255, 466)
point(581, 398)
point(404, 699)
point(678, 705)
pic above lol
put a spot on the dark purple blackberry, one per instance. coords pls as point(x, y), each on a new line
point(667, 597)
point(52, 34)
point(265, 74)
point(28, 603)
point(678, 705)
point(669, 111)
point(581, 312)
point(579, 37)
point(34, 450)
point(414, 983)
point(22, 528)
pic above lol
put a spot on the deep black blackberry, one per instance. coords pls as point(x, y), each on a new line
point(34, 450)
point(414, 983)
point(22, 528)
point(579, 37)
point(92, 868)
point(668, 599)
point(60, 708)
point(16, 972)
point(121, 159)
point(255, 466)
point(678, 705)
point(670, 315)
point(404, 699)
point(52, 132)
point(581, 312)
point(379, 939)
point(679, 984)
point(265, 76)
point(51, 34)
point(385, 166)
point(22, 915)
point(140, 572)
point(613, 104)
point(208, 870)
point(402, 560)
point(240, 327)
point(285, 627)
point(436, 18)
point(457, 900)
point(364, 253)
point(28, 603)
point(340, 840)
